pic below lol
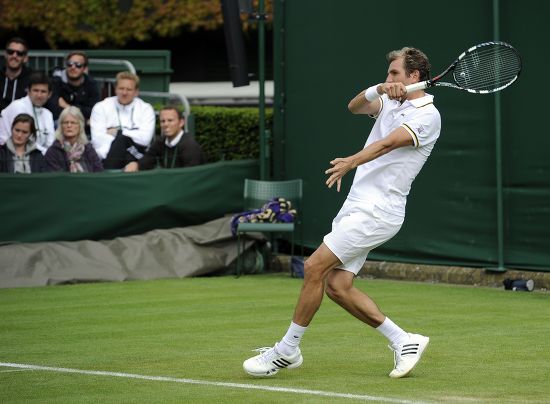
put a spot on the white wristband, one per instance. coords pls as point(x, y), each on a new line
point(371, 93)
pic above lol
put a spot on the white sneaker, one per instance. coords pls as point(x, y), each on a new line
point(407, 355)
point(269, 362)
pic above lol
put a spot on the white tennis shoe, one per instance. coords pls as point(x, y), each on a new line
point(407, 355)
point(269, 362)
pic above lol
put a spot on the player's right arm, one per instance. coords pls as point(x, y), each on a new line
point(368, 101)
point(360, 105)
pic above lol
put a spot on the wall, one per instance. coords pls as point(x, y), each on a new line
point(327, 51)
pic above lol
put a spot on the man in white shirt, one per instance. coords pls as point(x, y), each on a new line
point(122, 126)
point(406, 129)
point(39, 91)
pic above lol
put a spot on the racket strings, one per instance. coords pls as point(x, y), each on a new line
point(488, 68)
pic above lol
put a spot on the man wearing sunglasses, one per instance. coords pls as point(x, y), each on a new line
point(72, 86)
point(14, 75)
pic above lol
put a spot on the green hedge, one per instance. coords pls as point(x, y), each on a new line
point(229, 133)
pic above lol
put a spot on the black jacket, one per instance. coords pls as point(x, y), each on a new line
point(186, 153)
point(84, 96)
point(11, 90)
point(37, 161)
point(56, 159)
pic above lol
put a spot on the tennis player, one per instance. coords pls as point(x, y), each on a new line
point(403, 136)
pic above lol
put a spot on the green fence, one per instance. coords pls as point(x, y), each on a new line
point(63, 206)
point(152, 66)
point(327, 51)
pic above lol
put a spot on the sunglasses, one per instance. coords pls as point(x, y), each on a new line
point(75, 64)
point(18, 53)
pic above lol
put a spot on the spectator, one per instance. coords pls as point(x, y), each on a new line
point(72, 86)
point(14, 75)
point(174, 148)
point(39, 92)
point(123, 125)
point(71, 151)
point(19, 155)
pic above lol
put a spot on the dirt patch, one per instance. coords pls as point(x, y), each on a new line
point(456, 275)
point(438, 274)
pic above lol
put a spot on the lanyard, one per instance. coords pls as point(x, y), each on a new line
point(131, 118)
point(166, 148)
point(39, 139)
point(36, 119)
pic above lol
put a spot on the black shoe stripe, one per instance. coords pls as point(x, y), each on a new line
point(281, 363)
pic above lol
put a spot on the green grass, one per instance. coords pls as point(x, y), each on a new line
point(487, 345)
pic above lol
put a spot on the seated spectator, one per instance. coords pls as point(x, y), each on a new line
point(14, 75)
point(39, 92)
point(72, 86)
point(122, 126)
point(71, 151)
point(19, 155)
point(174, 148)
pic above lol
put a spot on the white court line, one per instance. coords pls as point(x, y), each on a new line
point(209, 383)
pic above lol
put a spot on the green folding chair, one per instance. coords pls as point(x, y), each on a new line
point(256, 194)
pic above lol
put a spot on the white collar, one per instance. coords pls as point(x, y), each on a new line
point(29, 102)
point(174, 141)
point(127, 106)
point(422, 101)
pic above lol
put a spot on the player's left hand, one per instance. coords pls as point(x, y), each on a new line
point(340, 166)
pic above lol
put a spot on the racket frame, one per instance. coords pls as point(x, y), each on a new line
point(436, 83)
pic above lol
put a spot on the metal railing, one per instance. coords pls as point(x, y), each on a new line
point(181, 99)
point(49, 60)
point(170, 97)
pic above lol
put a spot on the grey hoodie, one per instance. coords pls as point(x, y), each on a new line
point(31, 161)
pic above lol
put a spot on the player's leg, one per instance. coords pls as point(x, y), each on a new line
point(359, 232)
point(286, 353)
point(408, 348)
point(340, 289)
point(316, 269)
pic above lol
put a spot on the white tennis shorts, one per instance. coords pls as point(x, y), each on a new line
point(356, 230)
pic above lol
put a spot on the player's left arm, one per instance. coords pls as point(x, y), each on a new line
point(399, 137)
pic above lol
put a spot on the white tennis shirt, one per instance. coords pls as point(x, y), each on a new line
point(386, 181)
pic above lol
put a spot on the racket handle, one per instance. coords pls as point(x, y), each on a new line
point(417, 86)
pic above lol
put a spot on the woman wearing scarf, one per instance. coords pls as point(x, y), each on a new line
point(71, 150)
point(19, 155)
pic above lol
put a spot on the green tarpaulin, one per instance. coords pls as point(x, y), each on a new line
point(67, 207)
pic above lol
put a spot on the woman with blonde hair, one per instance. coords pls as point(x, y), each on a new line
point(71, 150)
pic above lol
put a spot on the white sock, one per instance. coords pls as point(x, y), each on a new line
point(393, 332)
point(291, 340)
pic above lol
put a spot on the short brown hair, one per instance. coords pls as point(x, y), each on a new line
point(25, 118)
point(77, 53)
point(413, 59)
point(19, 40)
point(40, 77)
point(171, 107)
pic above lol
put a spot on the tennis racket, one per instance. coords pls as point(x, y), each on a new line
point(482, 69)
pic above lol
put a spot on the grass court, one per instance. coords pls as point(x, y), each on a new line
point(184, 340)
